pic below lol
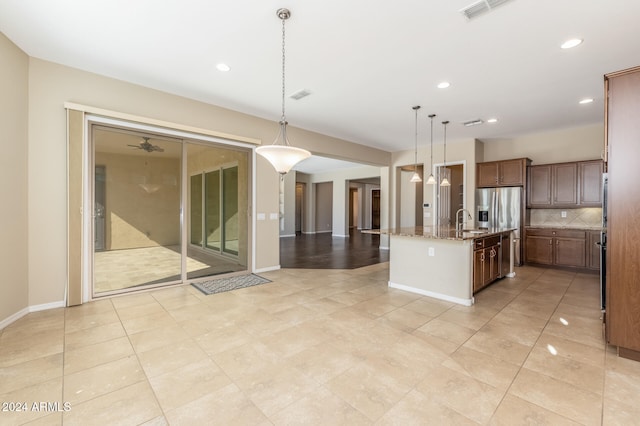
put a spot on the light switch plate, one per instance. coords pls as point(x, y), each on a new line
point(563, 213)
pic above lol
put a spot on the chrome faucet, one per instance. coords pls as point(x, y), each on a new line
point(460, 226)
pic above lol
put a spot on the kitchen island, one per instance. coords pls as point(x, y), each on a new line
point(443, 263)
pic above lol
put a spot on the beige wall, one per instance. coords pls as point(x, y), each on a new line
point(572, 144)
point(324, 206)
point(13, 179)
point(51, 85)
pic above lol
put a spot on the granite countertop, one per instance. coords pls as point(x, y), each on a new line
point(441, 233)
point(576, 227)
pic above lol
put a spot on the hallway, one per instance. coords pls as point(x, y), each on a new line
point(322, 251)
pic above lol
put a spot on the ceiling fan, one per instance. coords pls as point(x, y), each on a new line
point(145, 145)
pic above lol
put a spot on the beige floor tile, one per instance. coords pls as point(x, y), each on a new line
point(49, 391)
point(516, 411)
point(320, 408)
point(16, 349)
point(188, 383)
point(370, 393)
point(99, 353)
point(588, 335)
point(91, 336)
point(247, 359)
point(429, 307)
point(464, 394)
point(102, 379)
point(148, 322)
point(83, 322)
point(443, 345)
point(292, 340)
point(36, 322)
point(180, 301)
point(54, 419)
point(617, 413)
point(29, 373)
point(582, 375)
point(127, 300)
point(223, 339)
point(171, 357)
point(558, 396)
point(295, 314)
point(226, 406)
point(323, 362)
point(348, 298)
point(133, 404)
point(404, 320)
point(260, 323)
point(156, 421)
point(447, 330)
point(157, 337)
point(272, 389)
point(622, 380)
point(323, 306)
point(465, 318)
point(415, 409)
point(569, 349)
point(496, 345)
point(485, 368)
point(140, 311)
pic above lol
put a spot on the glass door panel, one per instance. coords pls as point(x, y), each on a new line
point(139, 200)
point(195, 203)
point(212, 210)
point(230, 209)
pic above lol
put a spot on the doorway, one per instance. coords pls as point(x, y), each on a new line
point(166, 209)
point(450, 198)
point(300, 194)
point(375, 209)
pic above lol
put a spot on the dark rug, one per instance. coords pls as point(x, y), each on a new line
point(220, 285)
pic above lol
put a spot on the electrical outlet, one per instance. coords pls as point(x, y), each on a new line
point(432, 251)
point(563, 213)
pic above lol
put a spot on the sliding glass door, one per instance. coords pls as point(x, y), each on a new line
point(142, 234)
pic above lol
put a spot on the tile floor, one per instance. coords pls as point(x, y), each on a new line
point(323, 347)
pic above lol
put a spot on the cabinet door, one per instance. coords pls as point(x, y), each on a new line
point(494, 265)
point(539, 249)
point(569, 252)
point(539, 186)
point(478, 270)
point(593, 250)
point(511, 173)
point(487, 175)
point(486, 272)
point(565, 184)
point(590, 187)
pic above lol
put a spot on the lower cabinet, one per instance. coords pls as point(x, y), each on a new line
point(486, 261)
point(559, 247)
point(593, 250)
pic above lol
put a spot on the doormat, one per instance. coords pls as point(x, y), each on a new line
point(231, 283)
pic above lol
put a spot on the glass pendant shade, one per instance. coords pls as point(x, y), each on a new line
point(416, 177)
point(281, 154)
point(431, 180)
point(445, 182)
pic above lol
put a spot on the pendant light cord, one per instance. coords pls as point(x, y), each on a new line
point(431, 116)
point(283, 69)
point(415, 152)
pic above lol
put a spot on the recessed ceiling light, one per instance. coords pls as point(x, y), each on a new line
point(223, 67)
point(571, 43)
point(586, 101)
point(492, 120)
point(444, 85)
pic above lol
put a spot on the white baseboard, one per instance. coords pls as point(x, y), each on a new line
point(323, 232)
point(465, 302)
point(35, 308)
point(309, 233)
point(384, 247)
point(287, 235)
point(340, 236)
point(267, 269)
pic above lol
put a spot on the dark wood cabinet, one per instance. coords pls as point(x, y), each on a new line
point(565, 185)
point(590, 188)
point(502, 173)
point(539, 186)
point(486, 262)
point(623, 230)
point(559, 247)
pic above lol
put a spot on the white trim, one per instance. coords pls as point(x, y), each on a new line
point(35, 308)
point(159, 123)
point(465, 302)
point(340, 236)
point(268, 269)
point(309, 233)
point(323, 232)
point(287, 235)
point(384, 247)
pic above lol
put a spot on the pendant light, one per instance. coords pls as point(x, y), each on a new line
point(445, 181)
point(281, 154)
point(431, 180)
point(416, 177)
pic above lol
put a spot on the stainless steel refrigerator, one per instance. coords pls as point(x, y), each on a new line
point(502, 208)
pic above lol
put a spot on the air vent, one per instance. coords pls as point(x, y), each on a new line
point(300, 94)
point(478, 8)
point(473, 122)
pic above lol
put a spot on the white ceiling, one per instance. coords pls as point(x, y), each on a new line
point(366, 62)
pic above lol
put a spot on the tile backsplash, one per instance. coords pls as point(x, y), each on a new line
point(586, 217)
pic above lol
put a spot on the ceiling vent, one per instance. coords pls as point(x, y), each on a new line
point(473, 122)
point(482, 6)
point(300, 94)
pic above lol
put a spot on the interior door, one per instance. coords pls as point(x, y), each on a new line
point(99, 208)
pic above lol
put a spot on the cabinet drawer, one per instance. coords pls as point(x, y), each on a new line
point(562, 233)
point(481, 243)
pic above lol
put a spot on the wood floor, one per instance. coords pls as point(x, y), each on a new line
point(322, 251)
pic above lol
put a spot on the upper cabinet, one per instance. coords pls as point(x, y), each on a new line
point(502, 173)
point(565, 185)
